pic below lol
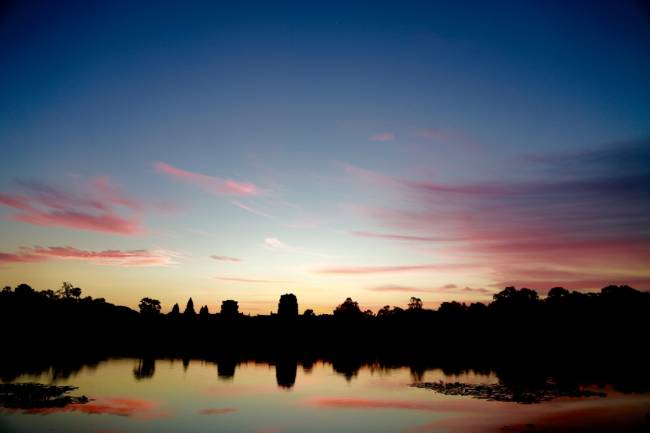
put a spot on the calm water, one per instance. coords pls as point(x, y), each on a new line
point(257, 399)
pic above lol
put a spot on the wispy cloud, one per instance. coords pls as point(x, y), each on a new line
point(277, 245)
point(394, 269)
point(383, 136)
point(398, 288)
point(132, 258)
point(251, 209)
point(213, 185)
point(97, 205)
point(584, 211)
point(270, 430)
point(446, 136)
point(382, 404)
point(217, 410)
point(247, 280)
point(398, 237)
point(370, 176)
point(448, 288)
point(226, 259)
point(363, 403)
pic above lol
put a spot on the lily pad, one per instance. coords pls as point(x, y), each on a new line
point(37, 395)
point(500, 392)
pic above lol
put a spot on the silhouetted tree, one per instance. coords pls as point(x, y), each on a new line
point(415, 303)
point(48, 294)
point(69, 291)
point(558, 292)
point(229, 309)
point(6, 289)
point(452, 309)
point(309, 313)
point(384, 311)
point(149, 307)
point(189, 308)
point(604, 326)
point(288, 306)
point(511, 294)
point(477, 308)
point(348, 309)
point(23, 290)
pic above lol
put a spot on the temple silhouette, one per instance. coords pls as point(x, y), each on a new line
point(518, 330)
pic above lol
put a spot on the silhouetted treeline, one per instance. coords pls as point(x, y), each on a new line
point(517, 327)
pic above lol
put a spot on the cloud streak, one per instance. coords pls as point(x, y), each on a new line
point(217, 411)
point(132, 258)
point(100, 207)
point(213, 185)
point(391, 269)
point(383, 136)
point(398, 237)
point(247, 280)
point(226, 259)
point(377, 404)
point(449, 288)
point(277, 245)
point(582, 211)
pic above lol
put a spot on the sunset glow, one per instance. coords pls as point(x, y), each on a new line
point(373, 154)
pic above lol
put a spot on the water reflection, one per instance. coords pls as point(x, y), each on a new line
point(226, 368)
point(286, 370)
point(347, 394)
point(145, 369)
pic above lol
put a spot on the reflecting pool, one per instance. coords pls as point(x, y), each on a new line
point(131, 395)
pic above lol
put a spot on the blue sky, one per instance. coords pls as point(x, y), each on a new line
point(346, 119)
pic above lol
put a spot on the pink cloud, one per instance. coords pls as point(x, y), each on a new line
point(307, 223)
point(98, 206)
point(133, 258)
point(210, 184)
point(226, 259)
point(108, 192)
point(397, 288)
point(107, 222)
point(444, 289)
point(218, 410)
point(445, 136)
point(125, 407)
point(590, 220)
point(370, 176)
point(573, 417)
point(354, 270)
point(362, 403)
point(16, 201)
point(277, 244)
point(383, 136)
point(376, 404)
point(270, 430)
point(246, 280)
point(399, 237)
point(543, 286)
point(251, 209)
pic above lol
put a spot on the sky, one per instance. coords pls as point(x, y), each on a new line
point(377, 150)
